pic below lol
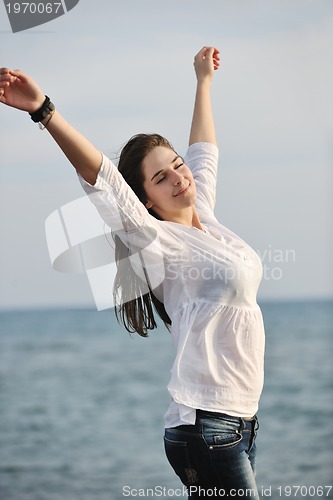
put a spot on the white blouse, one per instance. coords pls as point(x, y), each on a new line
point(208, 283)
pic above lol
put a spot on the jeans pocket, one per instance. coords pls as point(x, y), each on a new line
point(178, 456)
point(222, 439)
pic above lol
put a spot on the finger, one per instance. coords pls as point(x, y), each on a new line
point(213, 54)
point(216, 58)
point(16, 73)
point(216, 54)
point(7, 80)
point(8, 71)
point(201, 55)
point(206, 52)
point(4, 73)
point(210, 51)
point(6, 77)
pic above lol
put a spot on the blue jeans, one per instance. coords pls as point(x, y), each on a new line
point(216, 456)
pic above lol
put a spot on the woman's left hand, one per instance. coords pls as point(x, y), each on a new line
point(205, 62)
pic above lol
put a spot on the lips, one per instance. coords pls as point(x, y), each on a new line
point(183, 190)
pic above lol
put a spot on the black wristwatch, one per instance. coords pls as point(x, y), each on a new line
point(44, 111)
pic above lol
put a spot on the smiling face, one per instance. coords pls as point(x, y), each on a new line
point(169, 185)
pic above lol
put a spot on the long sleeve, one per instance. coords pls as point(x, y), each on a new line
point(202, 158)
point(115, 201)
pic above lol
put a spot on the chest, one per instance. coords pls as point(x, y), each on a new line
point(210, 265)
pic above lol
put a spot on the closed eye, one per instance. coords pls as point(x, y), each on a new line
point(176, 167)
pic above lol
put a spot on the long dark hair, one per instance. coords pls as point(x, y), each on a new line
point(136, 315)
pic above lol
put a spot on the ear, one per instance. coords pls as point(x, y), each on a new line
point(149, 205)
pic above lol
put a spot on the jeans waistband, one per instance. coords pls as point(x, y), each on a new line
point(215, 414)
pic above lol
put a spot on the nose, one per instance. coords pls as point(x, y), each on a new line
point(177, 178)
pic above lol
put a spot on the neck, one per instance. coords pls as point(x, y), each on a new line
point(195, 220)
point(189, 217)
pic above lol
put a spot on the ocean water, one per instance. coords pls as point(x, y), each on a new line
point(82, 405)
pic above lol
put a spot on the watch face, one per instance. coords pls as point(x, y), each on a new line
point(48, 110)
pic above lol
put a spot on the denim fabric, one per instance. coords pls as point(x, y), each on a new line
point(216, 456)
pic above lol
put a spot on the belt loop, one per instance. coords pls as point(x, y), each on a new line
point(256, 424)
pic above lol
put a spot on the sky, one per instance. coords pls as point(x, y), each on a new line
point(114, 69)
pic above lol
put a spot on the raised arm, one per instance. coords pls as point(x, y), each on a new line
point(21, 92)
point(202, 128)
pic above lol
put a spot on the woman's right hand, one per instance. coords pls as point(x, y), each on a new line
point(20, 91)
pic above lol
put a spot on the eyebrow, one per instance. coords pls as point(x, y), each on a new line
point(162, 170)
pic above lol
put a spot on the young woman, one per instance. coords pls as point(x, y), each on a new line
point(205, 291)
